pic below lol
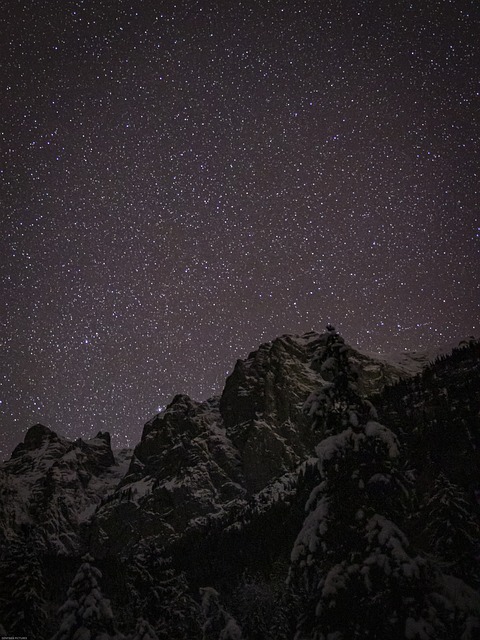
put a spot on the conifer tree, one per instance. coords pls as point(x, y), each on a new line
point(261, 610)
point(144, 631)
point(161, 595)
point(86, 614)
point(452, 531)
point(360, 576)
point(22, 589)
point(219, 624)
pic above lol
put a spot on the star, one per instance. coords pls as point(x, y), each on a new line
point(181, 184)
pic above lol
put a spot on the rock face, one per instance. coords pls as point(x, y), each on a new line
point(196, 462)
point(261, 407)
point(55, 485)
point(184, 471)
point(272, 382)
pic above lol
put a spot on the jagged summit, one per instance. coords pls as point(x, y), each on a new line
point(105, 436)
point(34, 439)
point(36, 433)
point(55, 484)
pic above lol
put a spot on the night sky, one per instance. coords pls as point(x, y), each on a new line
point(182, 181)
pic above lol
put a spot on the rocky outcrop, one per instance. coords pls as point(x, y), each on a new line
point(184, 472)
point(34, 440)
point(272, 382)
point(54, 485)
point(261, 407)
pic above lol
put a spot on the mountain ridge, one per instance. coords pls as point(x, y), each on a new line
point(216, 490)
point(249, 426)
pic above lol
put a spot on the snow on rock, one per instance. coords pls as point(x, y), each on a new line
point(184, 469)
point(207, 458)
point(56, 484)
point(196, 460)
point(410, 363)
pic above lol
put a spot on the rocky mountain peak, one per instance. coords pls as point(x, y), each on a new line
point(55, 484)
point(35, 439)
point(105, 436)
point(271, 382)
point(169, 427)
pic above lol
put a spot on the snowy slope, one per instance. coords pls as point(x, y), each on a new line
point(410, 363)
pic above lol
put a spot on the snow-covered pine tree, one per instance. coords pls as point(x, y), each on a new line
point(22, 589)
point(451, 528)
point(332, 406)
point(86, 614)
point(355, 565)
point(144, 631)
point(161, 595)
point(219, 624)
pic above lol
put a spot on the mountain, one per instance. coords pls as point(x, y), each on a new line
point(215, 491)
point(196, 462)
point(55, 485)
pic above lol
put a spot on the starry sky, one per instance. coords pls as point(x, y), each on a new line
point(182, 181)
